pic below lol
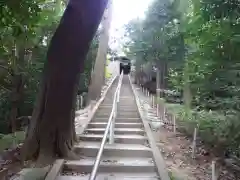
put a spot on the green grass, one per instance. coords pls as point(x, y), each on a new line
point(7, 141)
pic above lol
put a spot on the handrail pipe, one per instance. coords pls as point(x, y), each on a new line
point(109, 129)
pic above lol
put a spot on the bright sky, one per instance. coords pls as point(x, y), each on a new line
point(123, 12)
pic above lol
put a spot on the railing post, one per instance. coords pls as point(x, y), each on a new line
point(77, 103)
point(81, 101)
point(111, 134)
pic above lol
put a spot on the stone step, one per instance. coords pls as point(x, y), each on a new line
point(109, 108)
point(112, 176)
point(119, 112)
point(127, 109)
point(117, 125)
point(119, 120)
point(111, 165)
point(123, 150)
point(126, 139)
point(116, 131)
point(136, 115)
point(127, 113)
point(127, 105)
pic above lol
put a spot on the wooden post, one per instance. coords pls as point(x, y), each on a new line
point(81, 102)
point(153, 103)
point(174, 124)
point(157, 100)
point(77, 103)
point(164, 114)
point(151, 99)
point(157, 110)
point(214, 170)
point(194, 143)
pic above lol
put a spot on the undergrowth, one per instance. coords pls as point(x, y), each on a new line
point(216, 129)
point(10, 140)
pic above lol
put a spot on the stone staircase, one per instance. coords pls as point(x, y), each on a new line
point(130, 157)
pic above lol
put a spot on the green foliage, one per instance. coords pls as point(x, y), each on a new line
point(25, 30)
point(219, 131)
point(199, 42)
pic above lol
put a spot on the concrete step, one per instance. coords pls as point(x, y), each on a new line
point(105, 106)
point(126, 139)
point(117, 125)
point(121, 111)
point(123, 150)
point(112, 176)
point(126, 102)
point(126, 97)
point(103, 113)
point(111, 165)
point(116, 131)
point(119, 120)
point(128, 116)
point(127, 105)
point(127, 113)
point(127, 108)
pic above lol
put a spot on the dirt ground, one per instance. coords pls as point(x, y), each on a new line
point(177, 152)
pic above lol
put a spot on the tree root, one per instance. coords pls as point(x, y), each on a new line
point(44, 152)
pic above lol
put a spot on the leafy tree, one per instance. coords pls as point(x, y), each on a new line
point(23, 25)
point(195, 45)
point(56, 98)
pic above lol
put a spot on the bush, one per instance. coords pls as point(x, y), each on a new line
point(215, 129)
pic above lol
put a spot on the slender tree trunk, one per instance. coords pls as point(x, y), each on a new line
point(164, 73)
point(187, 95)
point(16, 86)
point(51, 133)
point(98, 76)
point(16, 97)
point(158, 80)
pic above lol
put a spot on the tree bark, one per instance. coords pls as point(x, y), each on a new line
point(164, 73)
point(187, 94)
point(16, 97)
point(98, 76)
point(158, 78)
point(17, 85)
point(51, 133)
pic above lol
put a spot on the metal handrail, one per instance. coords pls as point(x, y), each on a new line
point(110, 127)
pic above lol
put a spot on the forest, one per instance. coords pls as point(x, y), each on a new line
point(188, 48)
point(191, 49)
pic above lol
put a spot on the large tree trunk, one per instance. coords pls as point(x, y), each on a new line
point(98, 76)
point(51, 133)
